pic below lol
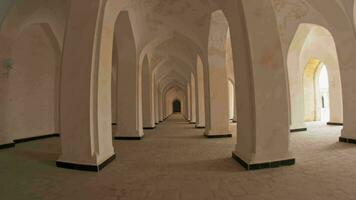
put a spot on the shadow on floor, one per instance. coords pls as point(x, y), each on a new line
point(339, 146)
point(213, 165)
point(182, 137)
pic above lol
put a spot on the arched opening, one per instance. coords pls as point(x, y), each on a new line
point(323, 91)
point(177, 106)
point(33, 101)
point(316, 92)
point(314, 78)
point(171, 94)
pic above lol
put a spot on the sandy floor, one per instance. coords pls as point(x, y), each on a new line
point(175, 161)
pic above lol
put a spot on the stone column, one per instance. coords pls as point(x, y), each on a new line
point(263, 124)
point(189, 104)
point(235, 110)
point(215, 75)
point(147, 97)
point(348, 73)
point(296, 90)
point(129, 82)
point(200, 101)
point(160, 105)
point(156, 101)
point(85, 100)
point(217, 104)
point(193, 101)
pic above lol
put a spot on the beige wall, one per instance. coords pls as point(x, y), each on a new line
point(33, 92)
point(18, 25)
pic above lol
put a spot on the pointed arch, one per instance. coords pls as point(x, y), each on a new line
point(312, 45)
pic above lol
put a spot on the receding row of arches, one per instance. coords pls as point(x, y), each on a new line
point(110, 83)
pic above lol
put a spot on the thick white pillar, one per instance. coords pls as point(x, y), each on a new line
point(193, 109)
point(217, 104)
point(263, 124)
point(164, 106)
point(156, 101)
point(348, 74)
point(335, 97)
point(129, 83)
point(200, 95)
point(296, 95)
point(160, 105)
point(85, 100)
point(215, 75)
point(189, 104)
point(148, 114)
point(235, 110)
point(114, 87)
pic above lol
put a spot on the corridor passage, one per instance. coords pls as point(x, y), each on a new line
point(175, 161)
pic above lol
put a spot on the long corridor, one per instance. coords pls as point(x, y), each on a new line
point(175, 161)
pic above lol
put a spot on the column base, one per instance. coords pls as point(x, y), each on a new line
point(347, 140)
point(128, 138)
point(335, 124)
point(234, 121)
point(84, 167)
point(149, 127)
point(298, 130)
point(192, 122)
point(6, 146)
point(114, 124)
point(199, 127)
point(224, 135)
point(265, 165)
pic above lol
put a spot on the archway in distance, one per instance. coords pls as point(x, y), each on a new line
point(177, 106)
point(316, 92)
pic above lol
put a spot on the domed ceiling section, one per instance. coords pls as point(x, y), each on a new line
point(175, 47)
point(154, 18)
point(171, 33)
